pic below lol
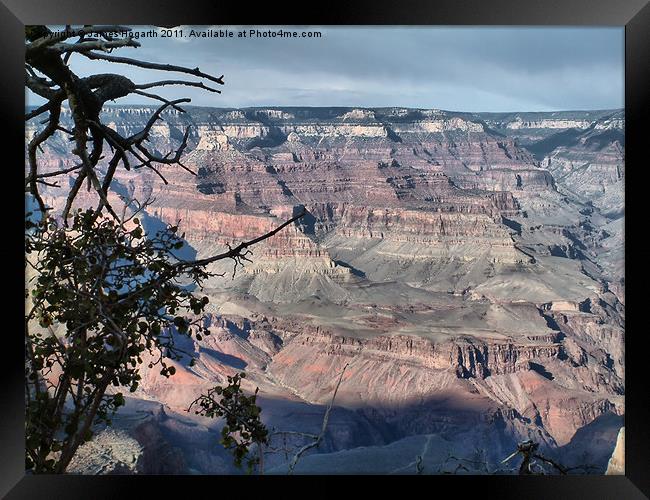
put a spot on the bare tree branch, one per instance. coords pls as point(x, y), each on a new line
point(177, 82)
point(316, 442)
point(84, 46)
point(158, 98)
point(48, 75)
point(242, 246)
point(150, 65)
point(48, 37)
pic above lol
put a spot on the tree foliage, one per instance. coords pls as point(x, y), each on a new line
point(245, 433)
point(243, 427)
point(102, 293)
point(113, 295)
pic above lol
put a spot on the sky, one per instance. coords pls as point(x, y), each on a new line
point(499, 69)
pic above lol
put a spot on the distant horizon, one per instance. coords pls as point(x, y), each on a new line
point(271, 106)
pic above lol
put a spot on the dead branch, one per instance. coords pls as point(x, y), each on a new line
point(177, 82)
point(84, 46)
point(185, 266)
point(42, 37)
point(150, 65)
point(49, 76)
point(528, 451)
point(158, 98)
point(316, 442)
point(237, 251)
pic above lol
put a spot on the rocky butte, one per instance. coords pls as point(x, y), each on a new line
point(468, 268)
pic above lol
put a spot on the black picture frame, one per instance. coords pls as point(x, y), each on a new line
point(633, 14)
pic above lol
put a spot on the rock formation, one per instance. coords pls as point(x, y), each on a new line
point(616, 464)
point(467, 267)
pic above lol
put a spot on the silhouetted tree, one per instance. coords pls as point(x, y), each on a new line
point(245, 433)
point(243, 427)
point(48, 75)
point(100, 291)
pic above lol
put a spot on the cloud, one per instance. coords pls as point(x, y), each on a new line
point(455, 68)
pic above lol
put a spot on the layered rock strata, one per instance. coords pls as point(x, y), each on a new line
point(466, 267)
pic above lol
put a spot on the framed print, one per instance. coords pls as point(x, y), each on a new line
point(363, 244)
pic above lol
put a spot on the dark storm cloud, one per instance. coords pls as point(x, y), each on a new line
point(472, 69)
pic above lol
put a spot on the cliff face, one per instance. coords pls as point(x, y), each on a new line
point(616, 464)
point(454, 261)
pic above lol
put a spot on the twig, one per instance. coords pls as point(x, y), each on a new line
point(177, 82)
point(320, 437)
point(237, 250)
point(150, 65)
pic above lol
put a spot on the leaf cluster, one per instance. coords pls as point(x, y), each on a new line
point(101, 297)
point(243, 426)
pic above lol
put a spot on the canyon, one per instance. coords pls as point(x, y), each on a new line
point(466, 270)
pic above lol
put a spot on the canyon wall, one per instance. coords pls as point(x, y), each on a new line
point(464, 266)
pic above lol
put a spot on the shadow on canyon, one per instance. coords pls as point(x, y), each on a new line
point(364, 440)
